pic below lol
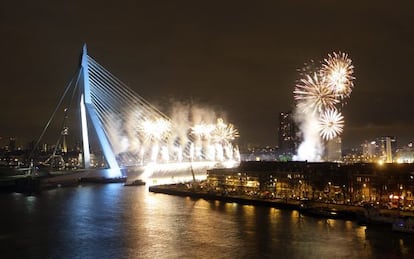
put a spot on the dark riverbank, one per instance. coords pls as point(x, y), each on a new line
point(30, 184)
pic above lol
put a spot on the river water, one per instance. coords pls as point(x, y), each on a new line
point(113, 221)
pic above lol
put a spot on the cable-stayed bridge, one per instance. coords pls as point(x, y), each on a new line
point(132, 132)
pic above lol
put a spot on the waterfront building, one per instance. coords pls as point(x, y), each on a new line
point(386, 185)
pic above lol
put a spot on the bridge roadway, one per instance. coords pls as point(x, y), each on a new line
point(70, 178)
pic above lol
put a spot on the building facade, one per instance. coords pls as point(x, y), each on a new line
point(333, 150)
point(287, 133)
point(386, 185)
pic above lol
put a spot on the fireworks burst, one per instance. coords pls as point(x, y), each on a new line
point(223, 132)
point(312, 94)
point(202, 130)
point(183, 138)
point(319, 95)
point(155, 130)
point(338, 71)
point(331, 123)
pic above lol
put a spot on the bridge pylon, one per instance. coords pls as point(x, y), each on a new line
point(88, 111)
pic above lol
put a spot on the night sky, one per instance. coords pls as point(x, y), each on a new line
point(240, 57)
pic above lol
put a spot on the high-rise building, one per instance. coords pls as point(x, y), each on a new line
point(333, 150)
point(380, 149)
point(404, 154)
point(12, 144)
point(369, 150)
point(386, 148)
point(287, 133)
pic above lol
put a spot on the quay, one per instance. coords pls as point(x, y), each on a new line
point(185, 190)
point(307, 207)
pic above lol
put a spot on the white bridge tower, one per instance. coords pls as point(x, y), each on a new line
point(88, 110)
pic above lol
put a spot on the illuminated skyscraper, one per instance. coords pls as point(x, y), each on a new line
point(380, 149)
point(386, 148)
point(287, 133)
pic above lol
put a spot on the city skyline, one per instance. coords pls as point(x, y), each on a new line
point(239, 58)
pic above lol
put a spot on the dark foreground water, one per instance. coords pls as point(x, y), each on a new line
point(113, 221)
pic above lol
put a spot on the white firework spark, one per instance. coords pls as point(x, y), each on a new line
point(338, 70)
point(319, 95)
point(313, 94)
point(331, 124)
point(223, 132)
point(158, 129)
point(202, 130)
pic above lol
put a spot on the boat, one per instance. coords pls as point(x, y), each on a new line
point(137, 182)
point(373, 216)
point(321, 212)
point(10, 171)
point(309, 209)
point(404, 224)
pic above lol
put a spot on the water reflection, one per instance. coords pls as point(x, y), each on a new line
point(112, 221)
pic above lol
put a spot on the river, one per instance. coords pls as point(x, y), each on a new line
point(113, 221)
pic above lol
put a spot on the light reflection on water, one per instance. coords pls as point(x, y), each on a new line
point(113, 221)
point(172, 179)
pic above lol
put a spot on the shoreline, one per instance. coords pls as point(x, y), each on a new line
point(173, 189)
point(308, 207)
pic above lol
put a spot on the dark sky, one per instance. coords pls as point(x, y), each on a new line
point(238, 56)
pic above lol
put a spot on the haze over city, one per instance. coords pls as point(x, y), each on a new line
point(238, 58)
